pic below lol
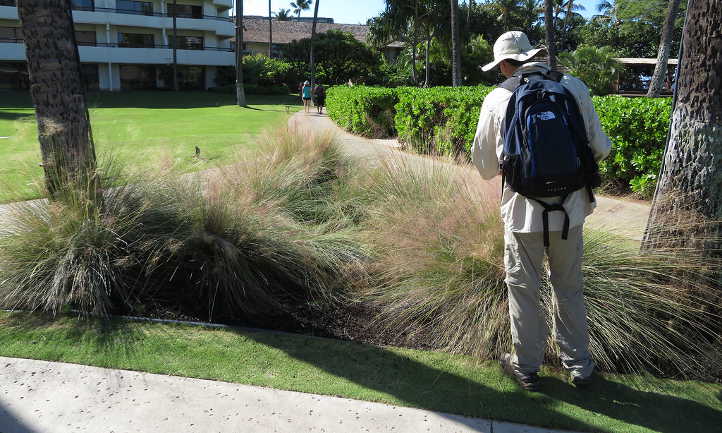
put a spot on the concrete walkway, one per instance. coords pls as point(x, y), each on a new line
point(622, 217)
point(45, 397)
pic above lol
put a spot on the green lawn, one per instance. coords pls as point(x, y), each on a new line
point(430, 380)
point(142, 130)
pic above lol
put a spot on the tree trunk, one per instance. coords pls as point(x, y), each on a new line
point(549, 26)
point(313, 43)
point(455, 45)
point(240, 91)
point(470, 5)
point(414, 42)
point(427, 82)
point(687, 207)
point(270, 31)
point(660, 71)
point(58, 92)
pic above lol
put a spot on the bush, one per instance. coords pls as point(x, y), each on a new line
point(366, 111)
point(440, 119)
point(638, 129)
point(265, 72)
point(443, 120)
point(438, 277)
point(254, 240)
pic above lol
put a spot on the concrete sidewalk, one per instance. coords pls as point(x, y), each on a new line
point(45, 397)
point(622, 217)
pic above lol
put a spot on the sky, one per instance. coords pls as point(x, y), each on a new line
point(353, 11)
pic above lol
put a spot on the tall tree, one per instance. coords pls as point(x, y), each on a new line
point(660, 70)
point(313, 40)
point(690, 185)
point(240, 91)
point(455, 45)
point(507, 8)
point(270, 30)
point(549, 26)
point(66, 141)
point(299, 6)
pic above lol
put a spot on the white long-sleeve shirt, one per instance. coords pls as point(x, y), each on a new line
point(518, 212)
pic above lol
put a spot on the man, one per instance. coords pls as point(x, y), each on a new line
point(523, 223)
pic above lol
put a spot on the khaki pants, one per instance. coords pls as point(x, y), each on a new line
point(524, 258)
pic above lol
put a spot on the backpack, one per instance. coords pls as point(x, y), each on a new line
point(546, 151)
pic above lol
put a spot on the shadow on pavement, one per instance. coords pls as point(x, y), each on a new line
point(10, 423)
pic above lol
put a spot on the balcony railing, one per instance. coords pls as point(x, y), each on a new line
point(149, 13)
point(123, 45)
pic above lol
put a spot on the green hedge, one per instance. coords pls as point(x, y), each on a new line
point(367, 111)
point(443, 120)
point(440, 119)
point(638, 129)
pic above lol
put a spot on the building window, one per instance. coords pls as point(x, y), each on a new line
point(83, 5)
point(85, 38)
point(185, 11)
point(137, 77)
point(135, 40)
point(8, 3)
point(135, 7)
point(11, 34)
point(188, 42)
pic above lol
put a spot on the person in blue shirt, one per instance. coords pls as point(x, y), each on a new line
point(306, 93)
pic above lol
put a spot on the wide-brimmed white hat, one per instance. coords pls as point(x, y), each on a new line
point(512, 45)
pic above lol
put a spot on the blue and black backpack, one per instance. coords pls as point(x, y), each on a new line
point(546, 151)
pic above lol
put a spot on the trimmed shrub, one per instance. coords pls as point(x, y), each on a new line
point(442, 120)
point(638, 129)
point(439, 120)
point(366, 111)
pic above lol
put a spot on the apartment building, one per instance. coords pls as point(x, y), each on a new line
point(128, 44)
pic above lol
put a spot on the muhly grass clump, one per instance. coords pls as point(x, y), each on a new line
point(243, 241)
point(438, 279)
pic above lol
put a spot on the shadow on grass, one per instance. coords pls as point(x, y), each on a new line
point(422, 385)
point(655, 411)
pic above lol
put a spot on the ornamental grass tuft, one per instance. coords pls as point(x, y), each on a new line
point(438, 278)
point(250, 240)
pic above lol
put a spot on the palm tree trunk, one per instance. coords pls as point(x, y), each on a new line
point(58, 92)
point(427, 82)
point(313, 42)
point(549, 26)
point(240, 91)
point(270, 30)
point(660, 71)
point(689, 193)
point(414, 42)
point(455, 45)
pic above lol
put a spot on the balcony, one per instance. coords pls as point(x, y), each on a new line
point(102, 52)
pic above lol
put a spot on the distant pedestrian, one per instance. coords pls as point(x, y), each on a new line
point(319, 98)
point(306, 93)
point(540, 128)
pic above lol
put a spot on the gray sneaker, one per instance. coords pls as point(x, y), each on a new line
point(583, 382)
point(528, 381)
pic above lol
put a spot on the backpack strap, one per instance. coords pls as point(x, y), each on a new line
point(545, 217)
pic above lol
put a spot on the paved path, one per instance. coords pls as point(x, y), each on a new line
point(51, 397)
point(623, 217)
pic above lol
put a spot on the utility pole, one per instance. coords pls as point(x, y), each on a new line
point(175, 47)
point(270, 31)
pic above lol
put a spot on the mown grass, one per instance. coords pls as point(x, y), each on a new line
point(143, 130)
point(430, 380)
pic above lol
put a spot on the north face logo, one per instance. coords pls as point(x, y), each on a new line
point(546, 115)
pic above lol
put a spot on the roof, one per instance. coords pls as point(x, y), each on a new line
point(642, 61)
point(284, 32)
